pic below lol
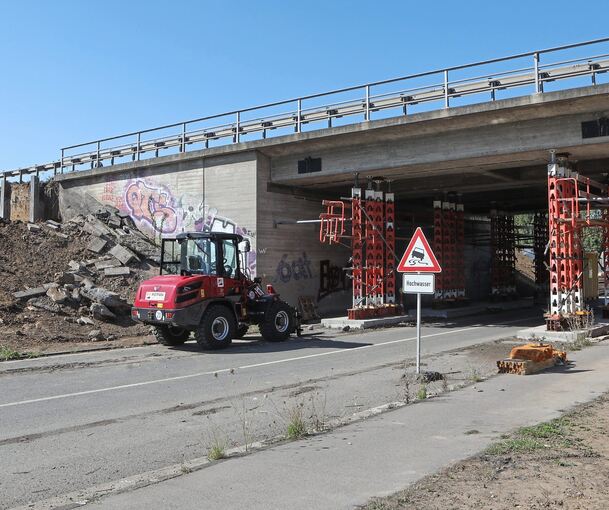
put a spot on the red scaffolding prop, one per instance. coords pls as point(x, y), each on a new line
point(571, 201)
point(449, 247)
point(373, 249)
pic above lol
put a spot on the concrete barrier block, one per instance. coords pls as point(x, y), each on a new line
point(123, 254)
point(30, 293)
point(117, 271)
point(97, 245)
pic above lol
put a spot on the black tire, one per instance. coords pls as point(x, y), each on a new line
point(241, 330)
point(278, 322)
point(170, 335)
point(217, 328)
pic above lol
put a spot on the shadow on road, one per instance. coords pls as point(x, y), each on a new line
point(255, 344)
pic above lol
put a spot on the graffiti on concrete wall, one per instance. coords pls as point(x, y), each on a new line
point(331, 279)
point(158, 211)
point(293, 270)
point(153, 205)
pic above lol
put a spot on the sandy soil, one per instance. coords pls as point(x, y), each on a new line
point(559, 464)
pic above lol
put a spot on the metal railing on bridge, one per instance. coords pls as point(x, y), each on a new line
point(297, 115)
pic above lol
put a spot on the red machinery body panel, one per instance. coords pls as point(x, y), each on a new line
point(174, 291)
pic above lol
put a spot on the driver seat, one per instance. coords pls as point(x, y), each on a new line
point(195, 263)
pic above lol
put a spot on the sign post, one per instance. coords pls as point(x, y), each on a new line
point(418, 265)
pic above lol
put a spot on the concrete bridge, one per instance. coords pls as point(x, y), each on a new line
point(493, 151)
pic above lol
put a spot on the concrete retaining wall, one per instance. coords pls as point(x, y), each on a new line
point(291, 256)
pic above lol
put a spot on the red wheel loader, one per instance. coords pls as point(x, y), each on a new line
point(203, 289)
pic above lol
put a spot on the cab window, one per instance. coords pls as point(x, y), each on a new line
point(230, 257)
point(170, 256)
point(201, 257)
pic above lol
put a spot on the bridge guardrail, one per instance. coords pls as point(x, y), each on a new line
point(295, 114)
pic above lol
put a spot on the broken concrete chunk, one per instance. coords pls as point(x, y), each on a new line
point(123, 254)
point(44, 303)
point(114, 222)
point(142, 247)
point(96, 334)
point(104, 264)
point(79, 267)
point(53, 223)
point(57, 295)
point(85, 321)
point(30, 293)
point(33, 228)
point(101, 312)
point(79, 219)
point(65, 278)
point(97, 245)
point(117, 271)
point(95, 227)
point(110, 299)
point(87, 283)
point(75, 294)
point(49, 285)
point(111, 209)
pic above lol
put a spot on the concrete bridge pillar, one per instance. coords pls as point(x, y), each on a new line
point(5, 204)
point(35, 205)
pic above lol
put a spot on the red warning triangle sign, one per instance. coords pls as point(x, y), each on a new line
point(418, 257)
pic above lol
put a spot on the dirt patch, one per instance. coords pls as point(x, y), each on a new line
point(525, 265)
point(558, 464)
point(58, 257)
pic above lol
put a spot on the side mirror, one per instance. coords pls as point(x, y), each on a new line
point(245, 247)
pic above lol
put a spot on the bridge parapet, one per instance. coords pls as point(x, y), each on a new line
point(475, 82)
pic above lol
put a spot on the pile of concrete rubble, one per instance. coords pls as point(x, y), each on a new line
point(94, 293)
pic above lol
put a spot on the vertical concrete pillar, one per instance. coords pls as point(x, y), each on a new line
point(5, 204)
point(35, 205)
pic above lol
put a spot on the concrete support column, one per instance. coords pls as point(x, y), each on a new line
point(5, 203)
point(35, 205)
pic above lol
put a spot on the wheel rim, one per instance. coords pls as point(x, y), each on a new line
point(219, 328)
point(282, 321)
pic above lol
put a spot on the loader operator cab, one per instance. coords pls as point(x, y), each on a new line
point(209, 254)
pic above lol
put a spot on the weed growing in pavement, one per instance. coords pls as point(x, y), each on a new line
point(318, 417)
point(474, 376)
point(216, 449)
point(578, 344)
point(303, 416)
point(297, 426)
point(422, 393)
point(243, 414)
point(407, 383)
point(583, 322)
point(7, 354)
point(185, 469)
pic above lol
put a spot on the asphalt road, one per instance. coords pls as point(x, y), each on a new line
point(71, 422)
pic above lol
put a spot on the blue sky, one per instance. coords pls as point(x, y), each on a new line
point(79, 70)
